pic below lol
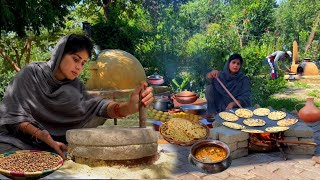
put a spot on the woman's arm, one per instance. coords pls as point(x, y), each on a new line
point(115, 110)
point(43, 135)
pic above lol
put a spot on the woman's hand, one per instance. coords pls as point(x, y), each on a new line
point(147, 97)
point(57, 146)
point(213, 74)
point(231, 105)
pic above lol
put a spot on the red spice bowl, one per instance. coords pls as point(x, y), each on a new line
point(33, 168)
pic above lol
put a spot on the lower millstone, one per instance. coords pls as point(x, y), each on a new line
point(113, 146)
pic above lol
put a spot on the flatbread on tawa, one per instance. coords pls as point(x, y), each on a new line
point(252, 130)
point(261, 111)
point(244, 113)
point(233, 125)
point(287, 122)
point(275, 129)
point(277, 115)
point(228, 116)
point(254, 122)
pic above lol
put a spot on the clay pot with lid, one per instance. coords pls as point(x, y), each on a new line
point(185, 97)
point(155, 79)
point(309, 113)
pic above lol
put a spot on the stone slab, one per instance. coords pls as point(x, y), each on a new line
point(239, 153)
point(299, 130)
point(113, 153)
point(111, 136)
point(228, 135)
point(301, 149)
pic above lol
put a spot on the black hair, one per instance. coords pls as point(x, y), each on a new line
point(76, 43)
point(235, 56)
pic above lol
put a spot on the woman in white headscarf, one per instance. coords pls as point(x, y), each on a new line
point(45, 99)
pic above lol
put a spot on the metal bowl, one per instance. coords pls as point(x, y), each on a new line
point(212, 167)
point(194, 109)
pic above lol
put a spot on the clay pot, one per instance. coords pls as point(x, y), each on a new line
point(185, 97)
point(155, 79)
point(309, 113)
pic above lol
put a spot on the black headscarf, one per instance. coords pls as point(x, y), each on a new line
point(36, 96)
point(238, 85)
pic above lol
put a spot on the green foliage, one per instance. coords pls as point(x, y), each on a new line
point(300, 84)
point(314, 93)
point(85, 75)
point(262, 88)
point(5, 79)
point(283, 103)
point(33, 15)
point(182, 85)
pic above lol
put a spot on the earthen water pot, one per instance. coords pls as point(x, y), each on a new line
point(155, 79)
point(309, 113)
point(185, 97)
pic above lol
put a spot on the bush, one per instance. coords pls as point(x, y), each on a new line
point(5, 79)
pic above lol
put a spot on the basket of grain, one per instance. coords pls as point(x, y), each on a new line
point(29, 164)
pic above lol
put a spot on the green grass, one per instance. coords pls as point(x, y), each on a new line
point(314, 93)
point(300, 84)
point(288, 104)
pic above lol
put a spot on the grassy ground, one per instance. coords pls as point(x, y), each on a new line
point(296, 93)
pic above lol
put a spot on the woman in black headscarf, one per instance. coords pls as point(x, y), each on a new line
point(235, 81)
point(45, 99)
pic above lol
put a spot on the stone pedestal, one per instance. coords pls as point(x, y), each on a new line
point(236, 140)
point(110, 146)
point(300, 132)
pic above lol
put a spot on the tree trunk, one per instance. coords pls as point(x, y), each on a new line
point(313, 32)
point(28, 51)
point(7, 58)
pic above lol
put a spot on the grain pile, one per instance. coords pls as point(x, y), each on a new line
point(29, 162)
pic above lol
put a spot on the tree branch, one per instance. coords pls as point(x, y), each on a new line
point(7, 58)
point(28, 51)
point(313, 32)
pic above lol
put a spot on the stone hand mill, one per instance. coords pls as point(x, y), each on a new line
point(108, 146)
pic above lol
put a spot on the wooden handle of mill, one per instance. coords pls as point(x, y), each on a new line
point(142, 112)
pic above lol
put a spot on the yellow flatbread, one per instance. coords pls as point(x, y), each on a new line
point(277, 115)
point(254, 122)
point(252, 130)
point(275, 129)
point(261, 111)
point(287, 122)
point(244, 113)
point(182, 130)
point(233, 125)
point(228, 116)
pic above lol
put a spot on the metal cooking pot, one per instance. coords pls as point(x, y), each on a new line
point(214, 167)
point(194, 109)
point(163, 104)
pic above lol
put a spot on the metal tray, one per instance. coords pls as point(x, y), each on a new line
point(269, 123)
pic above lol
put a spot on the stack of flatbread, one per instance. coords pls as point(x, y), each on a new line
point(182, 130)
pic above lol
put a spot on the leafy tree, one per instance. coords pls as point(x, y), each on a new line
point(20, 16)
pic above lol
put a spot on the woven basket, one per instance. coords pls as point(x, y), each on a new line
point(28, 175)
point(172, 141)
